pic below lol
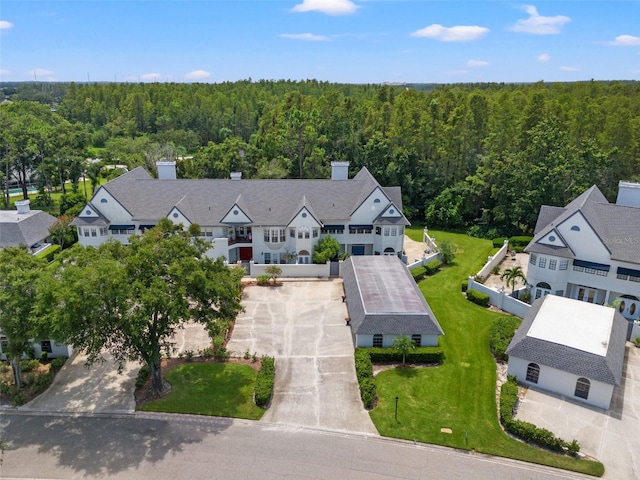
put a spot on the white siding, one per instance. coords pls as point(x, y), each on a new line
point(387, 340)
point(584, 242)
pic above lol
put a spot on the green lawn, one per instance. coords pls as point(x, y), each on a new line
point(220, 389)
point(460, 394)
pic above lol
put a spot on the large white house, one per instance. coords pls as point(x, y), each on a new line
point(590, 251)
point(571, 348)
point(264, 221)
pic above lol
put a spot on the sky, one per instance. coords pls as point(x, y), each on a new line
point(346, 41)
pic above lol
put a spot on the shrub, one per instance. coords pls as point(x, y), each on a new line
point(478, 298)
point(364, 373)
point(500, 335)
point(432, 267)
point(264, 382)
point(495, 270)
point(518, 244)
point(44, 356)
point(42, 382)
point(263, 279)
point(29, 365)
point(391, 355)
point(50, 253)
point(57, 363)
point(498, 242)
point(464, 285)
point(207, 352)
point(447, 251)
point(368, 392)
point(418, 273)
point(143, 375)
point(525, 430)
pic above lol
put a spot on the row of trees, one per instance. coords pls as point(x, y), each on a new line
point(128, 300)
point(480, 156)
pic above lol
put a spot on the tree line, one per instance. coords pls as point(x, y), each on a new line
point(478, 157)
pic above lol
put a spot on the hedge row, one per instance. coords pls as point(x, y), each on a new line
point(517, 244)
point(525, 430)
point(428, 269)
point(498, 242)
point(364, 373)
point(477, 297)
point(500, 335)
point(418, 355)
point(464, 285)
point(49, 253)
point(264, 382)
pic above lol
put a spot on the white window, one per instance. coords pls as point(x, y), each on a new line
point(316, 232)
point(94, 232)
point(394, 231)
point(533, 259)
point(386, 231)
point(283, 235)
point(543, 262)
point(103, 231)
point(564, 264)
point(552, 263)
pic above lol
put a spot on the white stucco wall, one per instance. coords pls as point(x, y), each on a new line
point(585, 243)
point(562, 383)
point(310, 270)
point(387, 340)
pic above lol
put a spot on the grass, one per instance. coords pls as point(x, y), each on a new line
point(220, 389)
point(460, 393)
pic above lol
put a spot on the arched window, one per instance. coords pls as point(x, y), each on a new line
point(377, 340)
point(542, 289)
point(389, 251)
point(582, 388)
point(533, 372)
point(304, 256)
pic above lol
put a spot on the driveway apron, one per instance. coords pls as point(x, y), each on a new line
point(302, 324)
point(98, 389)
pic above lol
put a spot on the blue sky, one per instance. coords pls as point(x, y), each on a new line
point(352, 41)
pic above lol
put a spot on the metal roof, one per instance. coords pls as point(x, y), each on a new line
point(383, 298)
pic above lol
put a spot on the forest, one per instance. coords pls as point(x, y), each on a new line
point(480, 158)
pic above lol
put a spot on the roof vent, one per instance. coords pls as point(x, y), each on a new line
point(23, 206)
point(236, 175)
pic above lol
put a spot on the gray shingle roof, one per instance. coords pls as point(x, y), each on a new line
point(267, 202)
point(616, 225)
point(607, 369)
point(383, 298)
point(24, 229)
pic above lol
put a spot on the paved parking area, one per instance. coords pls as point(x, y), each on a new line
point(302, 325)
point(612, 437)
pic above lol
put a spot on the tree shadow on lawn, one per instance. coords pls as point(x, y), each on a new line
point(98, 446)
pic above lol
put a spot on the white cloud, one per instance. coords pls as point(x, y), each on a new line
point(40, 72)
point(538, 24)
point(197, 75)
point(625, 41)
point(308, 37)
point(330, 7)
point(5, 73)
point(477, 63)
point(543, 57)
point(460, 33)
point(5, 25)
point(149, 76)
point(569, 69)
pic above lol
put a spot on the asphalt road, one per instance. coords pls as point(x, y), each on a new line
point(167, 446)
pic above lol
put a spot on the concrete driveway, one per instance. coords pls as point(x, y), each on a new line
point(613, 437)
point(99, 389)
point(302, 325)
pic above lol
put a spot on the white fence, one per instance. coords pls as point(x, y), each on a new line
point(293, 270)
point(424, 260)
point(493, 261)
point(501, 299)
point(429, 242)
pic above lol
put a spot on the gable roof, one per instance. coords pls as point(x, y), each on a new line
point(549, 348)
point(24, 228)
point(616, 225)
point(268, 202)
point(383, 298)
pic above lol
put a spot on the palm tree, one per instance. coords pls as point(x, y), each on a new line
point(511, 275)
point(404, 345)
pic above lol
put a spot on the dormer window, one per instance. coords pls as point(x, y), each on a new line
point(377, 200)
point(575, 228)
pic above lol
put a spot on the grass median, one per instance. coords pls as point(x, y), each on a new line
point(460, 394)
point(219, 389)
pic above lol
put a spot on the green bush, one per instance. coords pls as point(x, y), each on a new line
point(264, 382)
point(500, 335)
point(263, 279)
point(432, 267)
point(525, 430)
point(50, 253)
point(477, 297)
point(518, 244)
point(418, 355)
point(464, 285)
point(29, 365)
point(418, 273)
point(364, 373)
point(143, 375)
point(57, 363)
point(498, 242)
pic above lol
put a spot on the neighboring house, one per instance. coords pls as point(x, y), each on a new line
point(267, 221)
point(52, 349)
point(26, 227)
point(590, 251)
point(571, 348)
point(384, 302)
